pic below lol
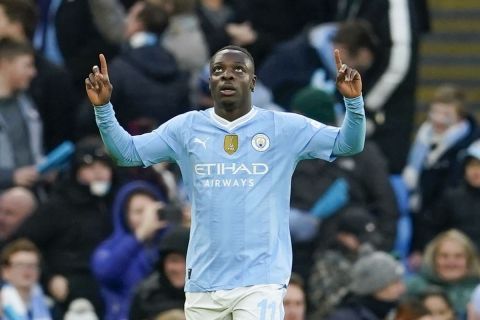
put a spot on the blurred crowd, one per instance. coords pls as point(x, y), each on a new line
point(391, 233)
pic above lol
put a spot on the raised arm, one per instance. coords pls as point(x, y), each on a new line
point(351, 137)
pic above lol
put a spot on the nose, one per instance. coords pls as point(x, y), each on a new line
point(227, 75)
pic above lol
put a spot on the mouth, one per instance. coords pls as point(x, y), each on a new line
point(227, 90)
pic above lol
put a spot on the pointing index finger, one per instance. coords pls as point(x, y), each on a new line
point(103, 65)
point(338, 60)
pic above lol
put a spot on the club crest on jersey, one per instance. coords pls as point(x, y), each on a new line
point(260, 142)
point(230, 143)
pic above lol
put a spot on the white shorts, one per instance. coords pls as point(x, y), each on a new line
point(259, 302)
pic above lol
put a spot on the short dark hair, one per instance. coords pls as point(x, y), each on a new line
point(236, 48)
point(20, 245)
point(10, 48)
point(296, 280)
point(154, 17)
point(356, 34)
point(23, 11)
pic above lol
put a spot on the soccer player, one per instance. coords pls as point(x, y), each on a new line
point(236, 161)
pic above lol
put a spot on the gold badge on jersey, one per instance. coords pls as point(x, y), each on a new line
point(230, 143)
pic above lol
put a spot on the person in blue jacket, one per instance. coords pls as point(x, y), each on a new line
point(130, 253)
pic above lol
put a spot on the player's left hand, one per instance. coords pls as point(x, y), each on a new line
point(349, 82)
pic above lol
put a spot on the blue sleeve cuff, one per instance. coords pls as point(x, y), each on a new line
point(354, 103)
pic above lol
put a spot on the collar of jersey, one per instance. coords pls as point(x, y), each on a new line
point(230, 125)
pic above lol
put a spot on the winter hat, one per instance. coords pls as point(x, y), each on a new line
point(176, 240)
point(88, 150)
point(374, 272)
point(315, 104)
point(357, 221)
point(80, 309)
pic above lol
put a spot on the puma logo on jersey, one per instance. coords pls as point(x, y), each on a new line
point(202, 142)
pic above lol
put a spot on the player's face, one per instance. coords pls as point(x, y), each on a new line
point(231, 78)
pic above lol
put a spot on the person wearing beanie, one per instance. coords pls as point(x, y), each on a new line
point(316, 104)
point(356, 234)
point(73, 222)
point(377, 285)
point(163, 290)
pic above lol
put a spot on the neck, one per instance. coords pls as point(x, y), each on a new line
point(230, 112)
point(24, 294)
point(5, 90)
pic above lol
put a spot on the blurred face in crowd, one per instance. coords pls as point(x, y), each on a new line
point(18, 71)
point(294, 303)
point(451, 261)
point(98, 175)
point(23, 270)
point(392, 292)
point(472, 172)
point(439, 308)
point(443, 116)
point(15, 206)
point(174, 266)
point(136, 209)
point(361, 60)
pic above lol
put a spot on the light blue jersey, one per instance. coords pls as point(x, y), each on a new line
point(238, 175)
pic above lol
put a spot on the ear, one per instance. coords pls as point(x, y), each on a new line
point(253, 82)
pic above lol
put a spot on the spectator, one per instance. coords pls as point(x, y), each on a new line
point(330, 273)
point(433, 163)
point(451, 263)
point(72, 223)
point(71, 33)
point(390, 88)
point(295, 303)
point(298, 63)
point(437, 301)
point(377, 286)
point(214, 15)
point(16, 204)
point(163, 289)
point(130, 253)
point(458, 206)
point(184, 37)
point(51, 88)
point(21, 143)
point(145, 73)
point(22, 296)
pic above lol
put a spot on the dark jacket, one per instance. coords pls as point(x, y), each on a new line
point(147, 84)
point(121, 261)
point(457, 209)
point(79, 40)
point(53, 94)
point(362, 308)
point(157, 294)
point(67, 229)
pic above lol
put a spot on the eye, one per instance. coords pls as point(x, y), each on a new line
point(217, 69)
point(239, 69)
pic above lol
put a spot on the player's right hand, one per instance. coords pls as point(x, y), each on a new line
point(98, 86)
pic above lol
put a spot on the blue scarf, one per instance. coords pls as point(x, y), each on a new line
point(15, 309)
